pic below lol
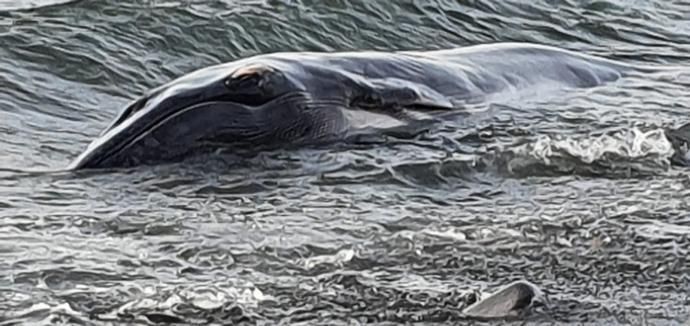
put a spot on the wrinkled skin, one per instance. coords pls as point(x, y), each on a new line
point(295, 98)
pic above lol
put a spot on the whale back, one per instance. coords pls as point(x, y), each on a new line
point(458, 74)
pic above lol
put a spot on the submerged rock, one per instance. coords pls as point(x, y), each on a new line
point(680, 139)
point(509, 301)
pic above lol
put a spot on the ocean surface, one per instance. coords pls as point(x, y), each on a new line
point(572, 191)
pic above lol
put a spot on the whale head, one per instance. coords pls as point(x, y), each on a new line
point(225, 103)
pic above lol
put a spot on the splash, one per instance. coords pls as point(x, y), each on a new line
point(629, 151)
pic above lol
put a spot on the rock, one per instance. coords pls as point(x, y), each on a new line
point(509, 301)
point(680, 140)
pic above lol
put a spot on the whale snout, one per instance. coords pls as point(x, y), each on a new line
point(145, 140)
point(168, 122)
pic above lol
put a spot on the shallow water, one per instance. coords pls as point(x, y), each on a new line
point(572, 191)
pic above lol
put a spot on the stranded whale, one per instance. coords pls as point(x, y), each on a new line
point(307, 97)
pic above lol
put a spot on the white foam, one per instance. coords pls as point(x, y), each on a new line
point(631, 148)
point(341, 257)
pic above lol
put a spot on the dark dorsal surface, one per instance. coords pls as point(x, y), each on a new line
point(457, 74)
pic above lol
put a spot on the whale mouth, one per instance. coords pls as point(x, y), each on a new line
point(250, 100)
point(137, 123)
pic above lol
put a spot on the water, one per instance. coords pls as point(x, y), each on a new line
point(572, 191)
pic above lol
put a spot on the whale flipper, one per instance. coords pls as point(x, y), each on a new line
point(392, 95)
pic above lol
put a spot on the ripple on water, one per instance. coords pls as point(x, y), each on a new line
point(572, 191)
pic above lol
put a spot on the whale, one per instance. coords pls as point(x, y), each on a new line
point(303, 98)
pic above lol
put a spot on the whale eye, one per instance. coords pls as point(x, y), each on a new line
point(250, 85)
point(255, 72)
point(243, 82)
point(251, 78)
